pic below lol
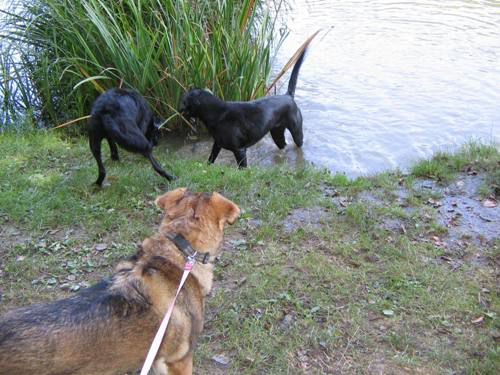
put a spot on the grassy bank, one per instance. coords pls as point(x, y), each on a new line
point(321, 274)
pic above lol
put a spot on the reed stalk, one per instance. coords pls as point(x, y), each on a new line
point(70, 51)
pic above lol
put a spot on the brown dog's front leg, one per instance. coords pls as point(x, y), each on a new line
point(215, 152)
point(182, 367)
point(159, 368)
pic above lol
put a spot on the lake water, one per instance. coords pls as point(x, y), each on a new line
point(388, 82)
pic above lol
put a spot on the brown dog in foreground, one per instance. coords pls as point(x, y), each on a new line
point(108, 328)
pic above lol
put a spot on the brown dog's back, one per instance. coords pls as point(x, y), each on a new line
point(75, 335)
point(107, 329)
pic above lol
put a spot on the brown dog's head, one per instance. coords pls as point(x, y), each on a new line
point(199, 217)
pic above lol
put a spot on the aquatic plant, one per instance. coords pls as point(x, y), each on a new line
point(66, 52)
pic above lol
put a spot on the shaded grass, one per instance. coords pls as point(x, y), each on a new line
point(57, 189)
point(351, 295)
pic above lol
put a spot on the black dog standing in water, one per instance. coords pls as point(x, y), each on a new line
point(123, 117)
point(235, 126)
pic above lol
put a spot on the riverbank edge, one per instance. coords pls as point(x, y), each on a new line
point(320, 274)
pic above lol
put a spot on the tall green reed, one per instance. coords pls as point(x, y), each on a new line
point(69, 51)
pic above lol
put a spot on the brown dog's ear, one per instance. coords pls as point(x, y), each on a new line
point(166, 200)
point(227, 211)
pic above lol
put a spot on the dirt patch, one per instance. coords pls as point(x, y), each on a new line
point(466, 215)
point(306, 218)
point(10, 236)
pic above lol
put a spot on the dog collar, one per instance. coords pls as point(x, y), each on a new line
point(184, 246)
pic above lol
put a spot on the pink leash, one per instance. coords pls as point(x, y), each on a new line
point(153, 350)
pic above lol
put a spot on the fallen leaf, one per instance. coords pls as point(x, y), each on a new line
point(74, 288)
point(444, 330)
point(286, 321)
point(242, 281)
point(490, 203)
point(427, 217)
point(65, 286)
point(477, 320)
point(434, 203)
point(373, 316)
point(220, 359)
point(485, 218)
point(101, 247)
point(470, 170)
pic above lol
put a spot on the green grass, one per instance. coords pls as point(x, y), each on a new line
point(352, 294)
point(472, 157)
point(57, 190)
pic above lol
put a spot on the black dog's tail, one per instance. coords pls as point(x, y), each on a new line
point(295, 74)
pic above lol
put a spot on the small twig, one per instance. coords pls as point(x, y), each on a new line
point(347, 346)
point(70, 122)
point(292, 60)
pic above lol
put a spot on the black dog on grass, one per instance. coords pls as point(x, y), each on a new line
point(123, 117)
point(235, 126)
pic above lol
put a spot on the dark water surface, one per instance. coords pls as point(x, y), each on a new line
point(388, 82)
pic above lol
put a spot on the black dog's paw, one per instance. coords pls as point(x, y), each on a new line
point(281, 145)
point(100, 185)
point(95, 188)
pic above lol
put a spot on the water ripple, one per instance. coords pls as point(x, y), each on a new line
point(395, 81)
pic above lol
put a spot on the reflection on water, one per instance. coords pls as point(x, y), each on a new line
point(388, 82)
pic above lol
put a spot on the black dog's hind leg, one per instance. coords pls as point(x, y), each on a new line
point(278, 135)
point(295, 128)
point(215, 152)
point(95, 147)
point(157, 167)
point(113, 149)
point(297, 135)
point(241, 157)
